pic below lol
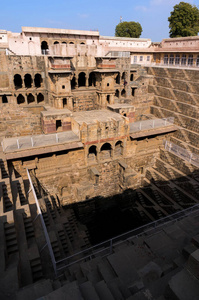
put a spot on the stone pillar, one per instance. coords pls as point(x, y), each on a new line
point(12, 100)
point(86, 155)
point(58, 103)
point(98, 99)
point(98, 153)
point(87, 81)
point(112, 99)
point(103, 100)
point(180, 59)
point(76, 82)
point(26, 100)
point(70, 103)
point(113, 151)
point(124, 152)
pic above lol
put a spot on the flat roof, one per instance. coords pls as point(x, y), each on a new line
point(120, 105)
point(59, 31)
point(124, 38)
point(196, 37)
point(92, 116)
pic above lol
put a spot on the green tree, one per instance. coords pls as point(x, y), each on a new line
point(128, 29)
point(184, 20)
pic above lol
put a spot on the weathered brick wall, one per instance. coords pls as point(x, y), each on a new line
point(70, 174)
point(176, 94)
point(182, 108)
point(174, 73)
point(4, 79)
point(84, 101)
point(161, 112)
point(16, 121)
point(10, 65)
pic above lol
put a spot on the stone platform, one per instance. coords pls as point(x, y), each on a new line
point(94, 116)
point(34, 145)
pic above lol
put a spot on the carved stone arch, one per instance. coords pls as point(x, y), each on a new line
point(28, 80)
point(105, 151)
point(82, 79)
point(31, 47)
point(118, 148)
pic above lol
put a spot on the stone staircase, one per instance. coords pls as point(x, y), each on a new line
point(5, 191)
point(141, 268)
point(10, 238)
point(66, 233)
point(21, 193)
point(4, 169)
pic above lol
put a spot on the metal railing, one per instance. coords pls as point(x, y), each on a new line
point(183, 153)
point(48, 243)
point(106, 248)
point(26, 142)
point(118, 54)
point(150, 124)
point(45, 51)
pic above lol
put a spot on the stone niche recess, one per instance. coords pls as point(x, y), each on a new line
point(56, 121)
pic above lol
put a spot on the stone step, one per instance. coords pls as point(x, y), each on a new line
point(94, 276)
point(63, 240)
point(89, 266)
point(35, 291)
point(106, 271)
point(177, 189)
point(10, 237)
point(4, 169)
point(21, 193)
point(69, 291)
point(123, 267)
point(119, 291)
point(103, 291)
point(88, 291)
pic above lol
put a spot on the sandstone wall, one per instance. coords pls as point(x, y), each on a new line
point(75, 178)
point(84, 100)
point(4, 79)
point(176, 93)
point(16, 121)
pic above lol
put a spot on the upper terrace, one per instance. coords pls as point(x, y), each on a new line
point(68, 32)
point(180, 44)
point(82, 129)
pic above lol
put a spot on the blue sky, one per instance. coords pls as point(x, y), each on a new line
point(103, 15)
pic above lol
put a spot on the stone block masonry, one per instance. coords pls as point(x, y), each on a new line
point(101, 166)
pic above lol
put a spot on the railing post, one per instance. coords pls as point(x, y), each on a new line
point(153, 123)
point(57, 139)
point(111, 246)
point(170, 147)
point(32, 142)
point(18, 144)
point(165, 122)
